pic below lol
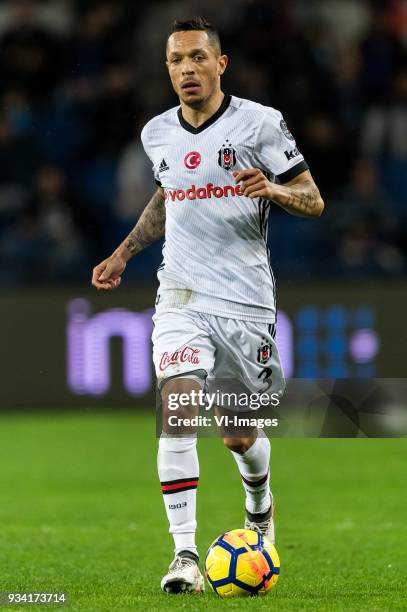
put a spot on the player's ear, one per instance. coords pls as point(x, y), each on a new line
point(222, 63)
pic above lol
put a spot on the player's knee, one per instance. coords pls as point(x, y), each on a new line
point(180, 395)
point(173, 388)
point(238, 445)
point(179, 405)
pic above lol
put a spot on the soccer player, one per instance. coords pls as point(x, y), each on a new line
point(220, 164)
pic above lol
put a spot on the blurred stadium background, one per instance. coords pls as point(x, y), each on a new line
point(79, 80)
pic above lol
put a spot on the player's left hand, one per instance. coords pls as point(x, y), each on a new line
point(254, 184)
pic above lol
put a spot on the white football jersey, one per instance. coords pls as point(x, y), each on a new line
point(216, 259)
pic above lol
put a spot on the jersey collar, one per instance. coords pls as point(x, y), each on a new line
point(196, 130)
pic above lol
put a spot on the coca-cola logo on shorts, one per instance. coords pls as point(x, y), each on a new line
point(192, 160)
point(188, 354)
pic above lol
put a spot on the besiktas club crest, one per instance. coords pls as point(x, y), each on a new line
point(227, 156)
point(264, 352)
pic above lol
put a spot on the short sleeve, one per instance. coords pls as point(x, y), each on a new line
point(276, 149)
point(144, 142)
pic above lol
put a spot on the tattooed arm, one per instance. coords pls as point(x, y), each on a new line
point(299, 197)
point(150, 227)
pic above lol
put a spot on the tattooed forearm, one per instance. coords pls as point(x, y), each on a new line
point(302, 198)
point(149, 227)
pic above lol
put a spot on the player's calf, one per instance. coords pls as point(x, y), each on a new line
point(239, 445)
point(252, 459)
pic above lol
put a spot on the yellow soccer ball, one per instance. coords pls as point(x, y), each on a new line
point(242, 563)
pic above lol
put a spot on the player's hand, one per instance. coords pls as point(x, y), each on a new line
point(107, 275)
point(254, 184)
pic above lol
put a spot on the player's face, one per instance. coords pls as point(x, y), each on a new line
point(194, 66)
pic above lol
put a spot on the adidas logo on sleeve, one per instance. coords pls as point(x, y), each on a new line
point(163, 166)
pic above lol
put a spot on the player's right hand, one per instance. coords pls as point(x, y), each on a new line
point(107, 274)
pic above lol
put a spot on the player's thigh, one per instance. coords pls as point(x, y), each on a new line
point(247, 357)
point(180, 344)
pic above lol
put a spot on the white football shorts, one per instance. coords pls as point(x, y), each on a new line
point(232, 353)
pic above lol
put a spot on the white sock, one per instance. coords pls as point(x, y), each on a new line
point(254, 469)
point(178, 469)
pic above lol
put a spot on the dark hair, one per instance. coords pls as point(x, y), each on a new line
point(198, 24)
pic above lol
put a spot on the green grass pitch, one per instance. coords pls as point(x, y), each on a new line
point(81, 512)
